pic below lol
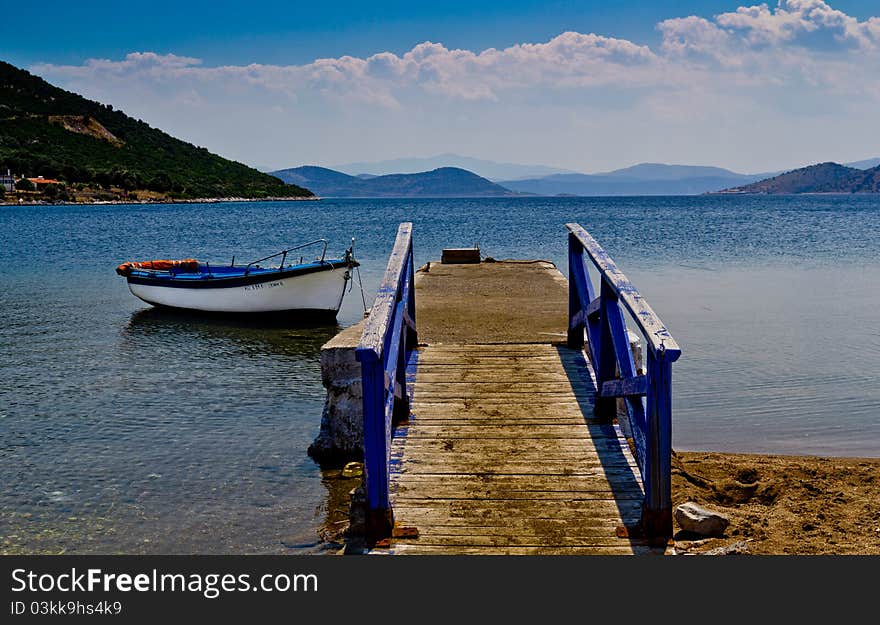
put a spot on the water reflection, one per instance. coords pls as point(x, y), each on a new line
point(279, 335)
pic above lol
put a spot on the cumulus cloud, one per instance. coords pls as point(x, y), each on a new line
point(799, 35)
point(810, 22)
point(570, 59)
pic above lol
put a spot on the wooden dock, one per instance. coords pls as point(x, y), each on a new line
point(497, 445)
point(497, 455)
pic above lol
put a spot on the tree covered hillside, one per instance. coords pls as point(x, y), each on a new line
point(46, 131)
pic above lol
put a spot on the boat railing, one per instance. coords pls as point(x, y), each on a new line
point(283, 254)
point(647, 395)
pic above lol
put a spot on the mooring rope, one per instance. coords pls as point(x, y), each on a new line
point(361, 283)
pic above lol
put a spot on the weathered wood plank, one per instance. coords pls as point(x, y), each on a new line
point(538, 446)
point(377, 324)
point(538, 482)
point(635, 385)
point(416, 549)
point(591, 468)
point(498, 376)
point(498, 509)
point(435, 520)
point(501, 454)
point(567, 431)
point(560, 463)
point(535, 541)
point(490, 387)
point(427, 493)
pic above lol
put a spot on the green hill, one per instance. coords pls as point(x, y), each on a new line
point(821, 178)
point(46, 131)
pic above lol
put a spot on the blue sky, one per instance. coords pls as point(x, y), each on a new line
point(694, 82)
point(224, 32)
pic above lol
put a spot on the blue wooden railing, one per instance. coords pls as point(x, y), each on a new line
point(647, 396)
point(389, 333)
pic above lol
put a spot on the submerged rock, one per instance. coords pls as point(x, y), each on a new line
point(698, 520)
point(353, 469)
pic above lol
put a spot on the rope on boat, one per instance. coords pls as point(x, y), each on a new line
point(361, 283)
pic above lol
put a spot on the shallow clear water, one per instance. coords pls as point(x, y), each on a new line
point(123, 429)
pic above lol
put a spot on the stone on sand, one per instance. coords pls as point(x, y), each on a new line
point(698, 520)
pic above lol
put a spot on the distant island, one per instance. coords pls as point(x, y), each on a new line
point(58, 146)
point(641, 179)
point(441, 182)
point(821, 178)
point(492, 170)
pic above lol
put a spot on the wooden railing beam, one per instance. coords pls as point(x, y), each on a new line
point(634, 386)
point(389, 332)
point(656, 334)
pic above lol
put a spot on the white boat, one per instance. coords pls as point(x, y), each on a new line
point(313, 288)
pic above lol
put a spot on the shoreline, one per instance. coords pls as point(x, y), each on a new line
point(208, 200)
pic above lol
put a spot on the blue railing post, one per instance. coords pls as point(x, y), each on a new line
point(657, 510)
point(606, 367)
point(412, 335)
point(576, 321)
point(380, 518)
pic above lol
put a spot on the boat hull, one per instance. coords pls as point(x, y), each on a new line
point(318, 292)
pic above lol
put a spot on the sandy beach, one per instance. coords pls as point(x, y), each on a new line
point(783, 504)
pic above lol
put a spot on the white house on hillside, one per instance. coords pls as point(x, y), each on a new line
point(7, 182)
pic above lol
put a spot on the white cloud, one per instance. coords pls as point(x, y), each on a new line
point(810, 22)
point(570, 59)
point(754, 56)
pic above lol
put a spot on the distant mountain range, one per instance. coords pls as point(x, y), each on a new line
point(642, 179)
point(869, 163)
point(492, 170)
point(441, 182)
point(821, 178)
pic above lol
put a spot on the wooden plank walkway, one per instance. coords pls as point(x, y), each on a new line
point(501, 454)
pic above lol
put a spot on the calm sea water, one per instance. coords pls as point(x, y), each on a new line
point(127, 430)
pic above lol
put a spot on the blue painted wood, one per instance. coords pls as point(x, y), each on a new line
point(375, 467)
point(657, 479)
point(625, 387)
point(650, 417)
point(638, 429)
point(593, 309)
point(575, 293)
point(412, 335)
point(620, 338)
point(606, 363)
point(382, 351)
point(658, 337)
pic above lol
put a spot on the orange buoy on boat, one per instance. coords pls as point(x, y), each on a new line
point(187, 265)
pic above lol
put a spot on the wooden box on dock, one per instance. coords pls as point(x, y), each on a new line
point(461, 256)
